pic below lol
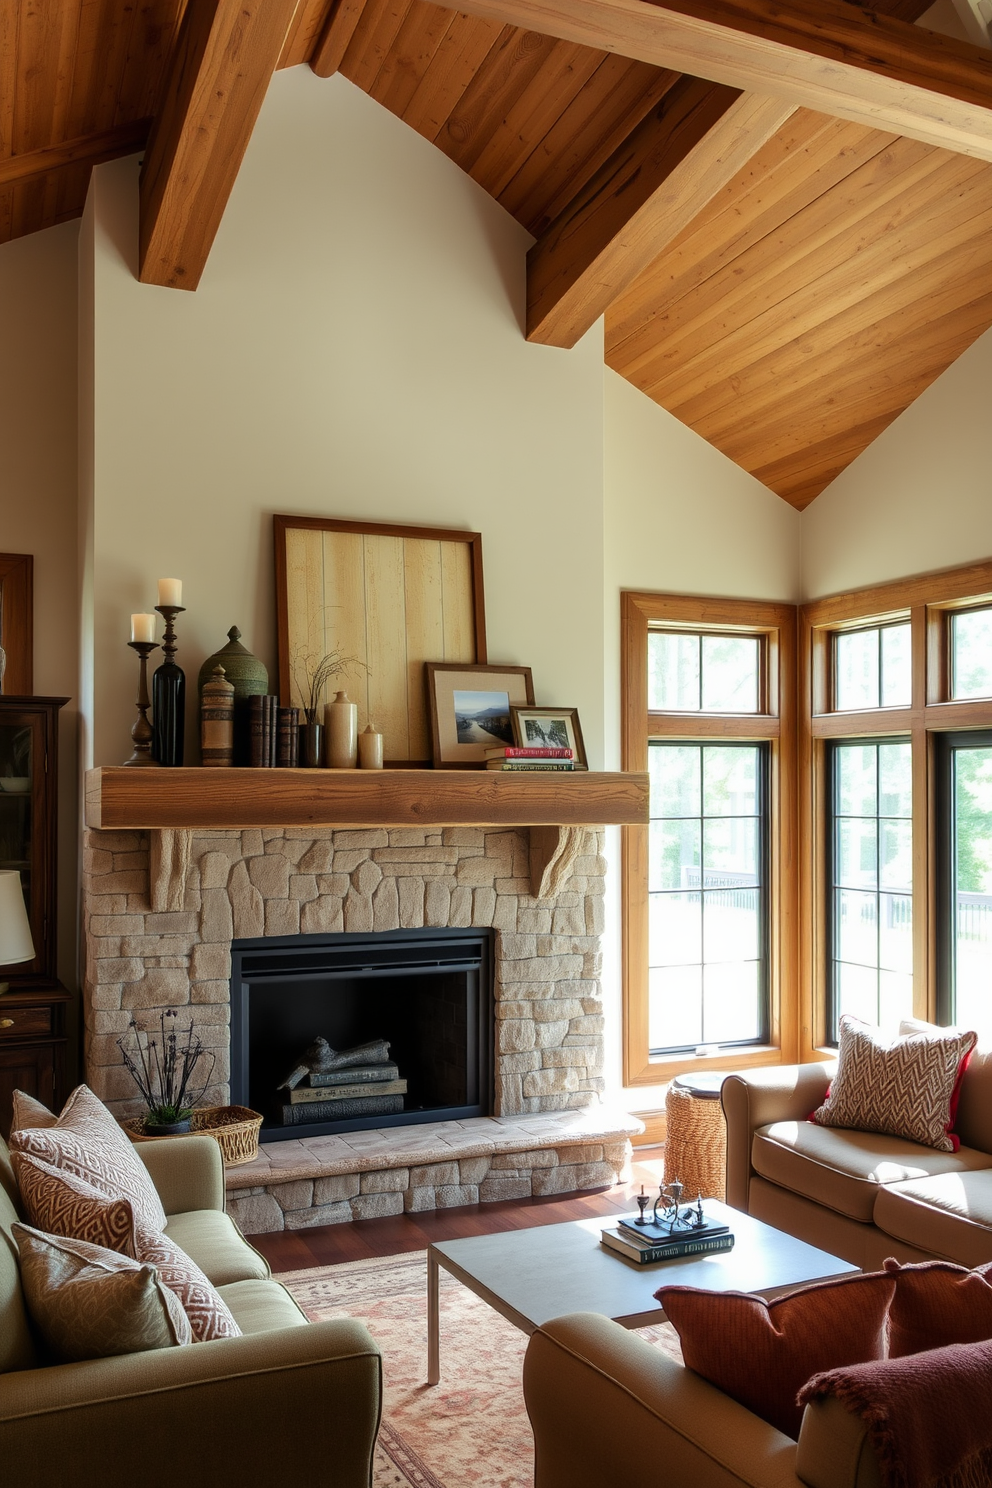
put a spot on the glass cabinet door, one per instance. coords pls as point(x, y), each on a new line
point(22, 816)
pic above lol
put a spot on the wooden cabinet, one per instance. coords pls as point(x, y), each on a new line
point(32, 1002)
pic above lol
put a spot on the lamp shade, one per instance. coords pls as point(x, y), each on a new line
point(15, 932)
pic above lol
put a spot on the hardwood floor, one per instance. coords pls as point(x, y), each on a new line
point(295, 1250)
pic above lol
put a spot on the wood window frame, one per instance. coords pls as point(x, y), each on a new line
point(776, 625)
point(927, 601)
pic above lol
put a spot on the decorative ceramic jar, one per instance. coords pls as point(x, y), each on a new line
point(249, 678)
point(341, 730)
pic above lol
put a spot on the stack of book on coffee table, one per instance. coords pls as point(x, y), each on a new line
point(649, 1242)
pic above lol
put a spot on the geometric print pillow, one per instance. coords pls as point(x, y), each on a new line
point(87, 1142)
point(902, 1087)
point(58, 1203)
point(206, 1309)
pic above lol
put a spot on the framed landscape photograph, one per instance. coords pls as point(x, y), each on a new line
point(471, 710)
point(549, 728)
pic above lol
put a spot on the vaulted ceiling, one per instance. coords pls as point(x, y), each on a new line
point(784, 281)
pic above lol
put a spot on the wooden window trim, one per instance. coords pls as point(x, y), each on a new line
point(777, 625)
point(928, 600)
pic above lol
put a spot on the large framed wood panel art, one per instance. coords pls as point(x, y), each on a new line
point(391, 597)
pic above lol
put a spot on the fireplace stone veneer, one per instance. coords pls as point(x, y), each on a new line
point(272, 882)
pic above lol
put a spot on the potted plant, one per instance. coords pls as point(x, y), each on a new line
point(311, 677)
point(163, 1069)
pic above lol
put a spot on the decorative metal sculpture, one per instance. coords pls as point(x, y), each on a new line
point(672, 1217)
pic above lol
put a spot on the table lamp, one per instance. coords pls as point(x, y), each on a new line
point(16, 944)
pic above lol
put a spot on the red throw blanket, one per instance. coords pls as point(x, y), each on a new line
point(929, 1415)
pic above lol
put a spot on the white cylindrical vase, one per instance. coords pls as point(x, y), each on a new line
point(370, 749)
point(341, 733)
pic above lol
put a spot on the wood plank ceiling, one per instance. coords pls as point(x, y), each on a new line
point(820, 291)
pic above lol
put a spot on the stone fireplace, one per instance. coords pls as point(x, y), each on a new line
point(271, 882)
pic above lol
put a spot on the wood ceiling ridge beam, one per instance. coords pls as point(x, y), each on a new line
point(660, 178)
point(88, 149)
point(793, 316)
point(839, 216)
point(223, 62)
point(832, 57)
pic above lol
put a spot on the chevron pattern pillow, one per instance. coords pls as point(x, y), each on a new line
point(901, 1087)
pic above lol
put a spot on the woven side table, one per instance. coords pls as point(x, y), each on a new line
point(696, 1136)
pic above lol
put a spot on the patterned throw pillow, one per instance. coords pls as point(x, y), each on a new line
point(60, 1204)
point(90, 1303)
point(208, 1313)
point(902, 1087)
point(30, 1112)
point(762, 1353)
point(936, 1304)
point(87, 1142)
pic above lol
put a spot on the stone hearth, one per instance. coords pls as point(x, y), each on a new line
point(272, 882)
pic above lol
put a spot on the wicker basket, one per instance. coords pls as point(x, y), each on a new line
point(234, 1128)
point(695, 1144)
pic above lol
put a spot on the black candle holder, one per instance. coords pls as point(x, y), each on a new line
point(169, 696)
point(141, 731)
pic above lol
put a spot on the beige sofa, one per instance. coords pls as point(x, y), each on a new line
point(290, 1400)
point(857, 1194)
point(608, 1409)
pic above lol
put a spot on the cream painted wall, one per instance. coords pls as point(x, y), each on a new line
point(919, 498)
point(679, 518)
point(354, 349)
point(38, 495)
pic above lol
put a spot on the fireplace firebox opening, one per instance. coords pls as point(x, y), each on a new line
point(428, 994)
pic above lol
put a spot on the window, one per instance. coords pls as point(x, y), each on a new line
point(966, 881)
point(871, 881)
point(896, 821)
point(708, 895)
point(872, 668)
point(709, 712)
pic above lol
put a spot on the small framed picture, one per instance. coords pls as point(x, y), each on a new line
point(549, 728)
point(470, 708)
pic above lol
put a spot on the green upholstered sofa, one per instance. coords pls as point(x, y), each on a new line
point(288, 1401)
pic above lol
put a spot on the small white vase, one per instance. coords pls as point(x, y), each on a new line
point(341, 732)
point(370, 749)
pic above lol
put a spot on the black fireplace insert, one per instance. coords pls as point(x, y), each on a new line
point(428, 994)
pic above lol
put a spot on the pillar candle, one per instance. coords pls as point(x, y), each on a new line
point(170, 592)
point(142, 627)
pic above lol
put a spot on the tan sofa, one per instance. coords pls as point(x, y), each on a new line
point(608, 1409)
point(857, 1194)
point(289, 1400)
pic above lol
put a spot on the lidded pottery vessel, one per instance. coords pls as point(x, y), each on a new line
point(248, 676)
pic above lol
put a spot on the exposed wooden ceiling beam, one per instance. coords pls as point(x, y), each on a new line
point(830, 56)
point(225, 55)
point(338, 30)
point(89, 149)
point(662, 176)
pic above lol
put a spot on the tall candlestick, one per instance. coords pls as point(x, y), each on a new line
point(143, 629)
point(170, 592)
point(141, 732)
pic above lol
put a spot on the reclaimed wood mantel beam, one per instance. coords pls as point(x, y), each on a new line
point(225, 55)
point(873, 69)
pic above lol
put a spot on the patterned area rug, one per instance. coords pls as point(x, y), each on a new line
point(472, 1428)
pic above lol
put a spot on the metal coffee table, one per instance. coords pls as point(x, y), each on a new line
point(530, 1276)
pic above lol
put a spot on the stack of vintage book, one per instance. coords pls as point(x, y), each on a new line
point(273, 734)
point(332, 1086)
point(511, 758)
point(647, 1242)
